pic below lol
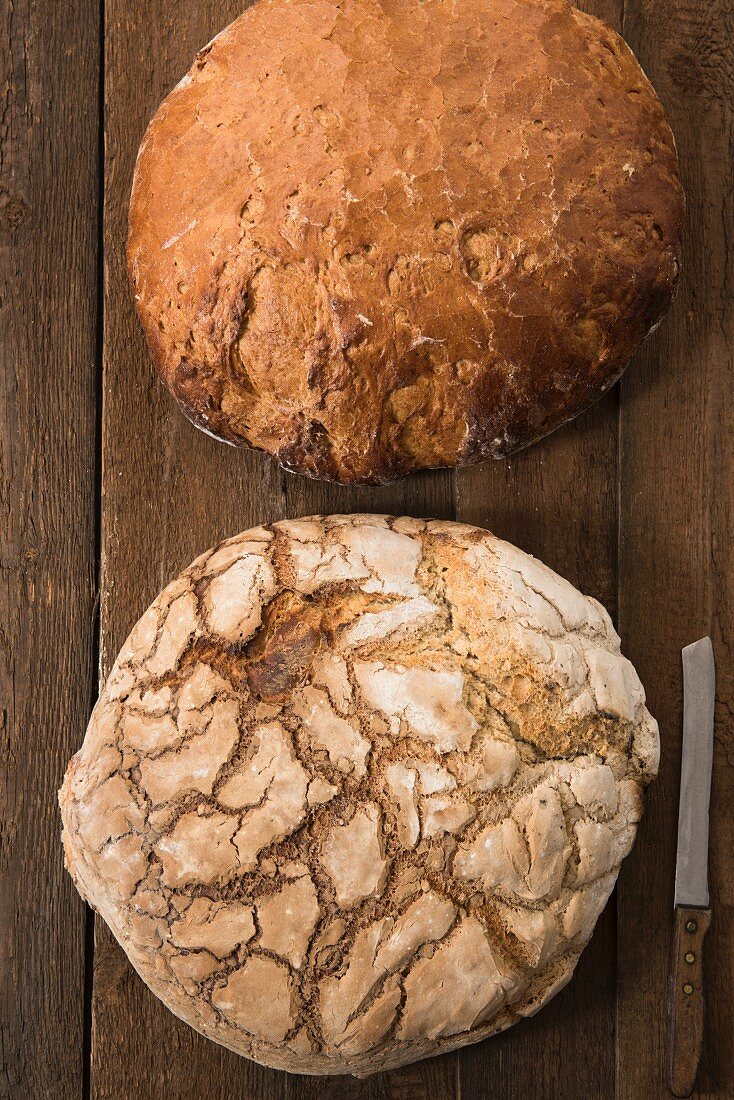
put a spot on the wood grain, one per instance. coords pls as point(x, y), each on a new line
point(676, 563)
point(687, 998)
point(169, 493)
point(49, 54)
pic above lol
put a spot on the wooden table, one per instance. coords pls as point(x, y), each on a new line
point(108, 492)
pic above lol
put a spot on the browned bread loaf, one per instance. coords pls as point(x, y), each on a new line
point(380, 235)
point(357, 790)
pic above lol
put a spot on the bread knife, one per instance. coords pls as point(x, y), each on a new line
point(692, 910)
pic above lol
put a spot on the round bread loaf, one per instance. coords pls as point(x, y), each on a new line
point(371, 237)
point(358, 788)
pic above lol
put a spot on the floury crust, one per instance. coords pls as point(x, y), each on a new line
point(358, 788)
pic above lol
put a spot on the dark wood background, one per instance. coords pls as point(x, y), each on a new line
point(107, 492)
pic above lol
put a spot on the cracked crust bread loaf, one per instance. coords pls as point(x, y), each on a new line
point(373, 237)
point(358, 788)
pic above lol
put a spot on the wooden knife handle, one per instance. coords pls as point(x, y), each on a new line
point(686, 998)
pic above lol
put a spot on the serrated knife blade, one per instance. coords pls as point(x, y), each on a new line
point(699, 687)
point(692, 913)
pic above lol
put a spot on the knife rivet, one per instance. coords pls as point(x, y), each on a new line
point(688, 989)
point(691, 926)
point(690, 957)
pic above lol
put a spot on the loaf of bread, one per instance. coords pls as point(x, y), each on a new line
point(358, 788)
point(380, 235)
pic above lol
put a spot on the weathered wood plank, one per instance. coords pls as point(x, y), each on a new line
point(676, 562)
point(49, 131)
point(169, 492)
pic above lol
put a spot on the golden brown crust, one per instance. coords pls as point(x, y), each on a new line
point(372, 237)
point(357, 790)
